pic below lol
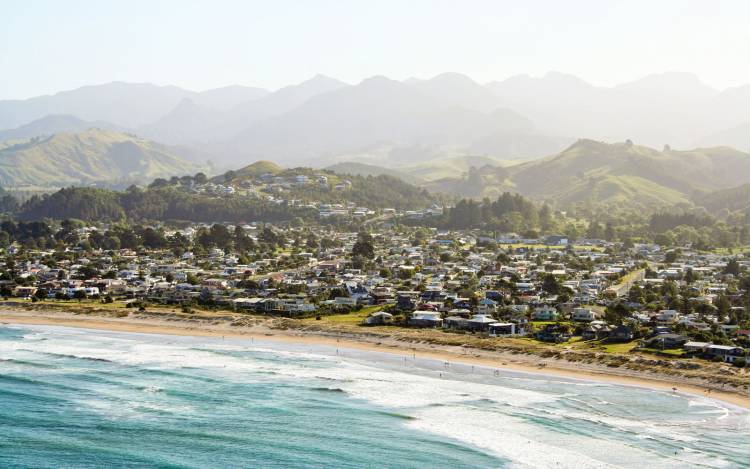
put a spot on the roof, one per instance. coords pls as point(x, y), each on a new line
point(722, 347)
point(697, 344)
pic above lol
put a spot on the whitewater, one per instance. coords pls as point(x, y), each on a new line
point(74, 397)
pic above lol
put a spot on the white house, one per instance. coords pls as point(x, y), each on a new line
point(668, 316)
point(584, 314)
point(545, 313)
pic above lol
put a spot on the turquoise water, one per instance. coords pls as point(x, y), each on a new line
point(84, 398)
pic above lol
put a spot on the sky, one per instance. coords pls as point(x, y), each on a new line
point(50, 45)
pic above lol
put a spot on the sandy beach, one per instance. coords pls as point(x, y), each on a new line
point(524, 363)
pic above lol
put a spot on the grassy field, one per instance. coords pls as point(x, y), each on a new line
point(670, 352)
point(734, 251)
point(620, 348)
point(353, 318)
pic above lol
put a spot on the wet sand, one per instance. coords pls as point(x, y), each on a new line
point(500, 360)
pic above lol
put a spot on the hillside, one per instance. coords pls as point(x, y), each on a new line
point(588, 160)
point(613, 174)
point(732, 199)
point(258, 169)
point(92, 156)
point(362, 169)
point(254, 198)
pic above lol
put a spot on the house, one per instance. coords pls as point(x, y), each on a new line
point(345, 301)
point(585, 314)
point(556, 240)
point(502, 328)
point(666, 341)
point(480, 323)
point(406, 300)
point(455, 322)
point(621, 333)
point(667, 316)
point(487, 306)
point(695, 347)
point(425, 319)
point(553, 333)
point(24, 292)
point(726, 352)
point(596, 330)
point(379, 318)
point(545, 313)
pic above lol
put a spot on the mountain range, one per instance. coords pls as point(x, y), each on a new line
point(323, 121)
point(447, 133)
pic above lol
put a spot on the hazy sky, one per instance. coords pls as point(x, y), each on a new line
point(47, 46)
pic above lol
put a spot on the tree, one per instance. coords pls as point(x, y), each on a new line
point(723, 306)
point(635, 294)
point(689, 277)
point(363, 247)
point(672, 256)
point(551, 285)
point(615, 313)
point(732, 267)
point(200, 178)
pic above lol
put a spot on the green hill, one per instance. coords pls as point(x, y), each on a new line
point(611, 174)
point(259, 168)
point(362, 169)
point(451, 167)
point(732, 199)
point(92, 156)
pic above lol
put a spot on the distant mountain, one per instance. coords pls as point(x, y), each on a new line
point(92, 156)
point(52, 124)
point(454, 89)
point(191, 122)
point(382, 122)
point(668, 108)
point(227, 97)
point(737, 137)
point(378, 112)
point(125, 104)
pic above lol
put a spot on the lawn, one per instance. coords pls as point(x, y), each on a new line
point(355, 317)
point(676, 352)
point(620, 348)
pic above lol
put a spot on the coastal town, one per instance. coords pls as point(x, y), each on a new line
point(573, 294)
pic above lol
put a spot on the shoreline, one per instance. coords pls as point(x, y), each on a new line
point(467, 356)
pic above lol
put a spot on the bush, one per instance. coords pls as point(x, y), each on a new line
point(740, 363)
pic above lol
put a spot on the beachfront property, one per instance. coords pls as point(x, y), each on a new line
point(445, 281)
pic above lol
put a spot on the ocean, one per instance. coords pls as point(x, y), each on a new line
point(87, 398)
